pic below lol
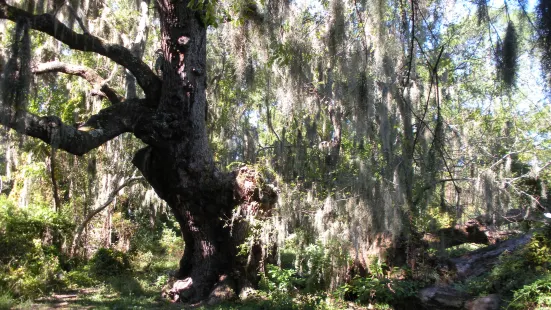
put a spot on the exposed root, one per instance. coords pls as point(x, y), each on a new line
point(175, 290)
point(184, 291)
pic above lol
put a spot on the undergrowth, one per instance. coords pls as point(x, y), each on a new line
point(522, 278)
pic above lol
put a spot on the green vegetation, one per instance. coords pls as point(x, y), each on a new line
point(522, 277)
point(33, 266)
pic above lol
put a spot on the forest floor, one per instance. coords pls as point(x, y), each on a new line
point(102, 298)
point(95, 299)
point(139, 292)
point(142, 290)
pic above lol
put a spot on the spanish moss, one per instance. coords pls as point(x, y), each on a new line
point(543, 16)
point(482, 11)
point(17, 73)
point(509, 57)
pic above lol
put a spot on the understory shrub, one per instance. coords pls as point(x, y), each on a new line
point(538, 251)
point(6, 301)
point(80, 277)
point(279, 279)
point(383, 287)
point(523, 276)
point(109, 262)
point(282, 289)
point(30, 241)
point(373, 290)
point(156, 248)
point(536, 295)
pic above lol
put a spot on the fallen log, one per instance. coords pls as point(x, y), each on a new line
point(472, 264)
point(471, 232)
point(482, 260)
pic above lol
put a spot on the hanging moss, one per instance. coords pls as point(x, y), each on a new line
point(482, 11)
point(508, 64)
point(299, 61)
point(363, 91)
point(336, 34)
point(17, 72)
point(249, 73)
point(275, 10)
point(543, 13)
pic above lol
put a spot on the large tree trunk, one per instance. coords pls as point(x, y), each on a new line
point(179, 163)
point(203, 203)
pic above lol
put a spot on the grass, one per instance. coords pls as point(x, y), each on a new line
point(142, 290)
point(462, 249)
point(6, 301)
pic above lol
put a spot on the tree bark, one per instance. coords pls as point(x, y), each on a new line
point(179, 162)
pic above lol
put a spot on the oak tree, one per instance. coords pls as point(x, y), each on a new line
point(170, 119)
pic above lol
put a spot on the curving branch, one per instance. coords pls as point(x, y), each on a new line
point(100, 85)
point(100, 128)
point(47, 23)
point(112, 196)
point(75, 14)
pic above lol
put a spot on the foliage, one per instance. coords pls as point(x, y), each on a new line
point(523, 273)
point(380, 290)
point(6, 301)
point(29, 266)
point(147, 244)
point(109, 262)
point(462, 249)
point(38, 275)
point(538, 251)
point(285, 289)
point(278, 280)
point(207, 10)
point(536, 295)
point(80, 277)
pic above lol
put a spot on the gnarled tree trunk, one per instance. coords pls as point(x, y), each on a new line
point(179, 163)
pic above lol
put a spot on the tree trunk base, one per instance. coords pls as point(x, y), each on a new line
point(211, 271)
point(184, 291)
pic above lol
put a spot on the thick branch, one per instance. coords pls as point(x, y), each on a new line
point(84, 72)
point(100, 128)
point(149, 82)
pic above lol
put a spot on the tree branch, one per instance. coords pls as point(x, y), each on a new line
point(112, 196)
point(137, 47)
point(73, 12)
point(148, 81)
point(86, 73)
point(100, 128)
